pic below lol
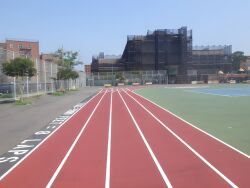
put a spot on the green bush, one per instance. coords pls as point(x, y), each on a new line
point(6, 95)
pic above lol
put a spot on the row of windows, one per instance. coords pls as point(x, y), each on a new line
point(20, 46)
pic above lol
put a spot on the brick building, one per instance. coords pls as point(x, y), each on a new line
point(21, 48)
point(45, 64)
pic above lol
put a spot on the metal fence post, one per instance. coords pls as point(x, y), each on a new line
point(45, 79)
point(37, 77)
point(27, 86)
point(14, 85)
point(51, 75)
point(167, 77)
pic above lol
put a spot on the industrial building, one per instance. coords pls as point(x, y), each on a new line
point(168, 49)
point(106, 63)
point(210, 60)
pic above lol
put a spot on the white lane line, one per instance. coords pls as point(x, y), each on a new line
point(207, 93)
point(73, 145)
point(107, 179)
point(233, 148)
point(186, 144)
point(164, 176)
point(35, 148)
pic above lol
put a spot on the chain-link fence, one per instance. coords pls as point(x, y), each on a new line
point(127, 77)
point(26, 88)
point(161, 77)
point(43, 82)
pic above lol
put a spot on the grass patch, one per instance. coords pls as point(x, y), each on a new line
point(24, 102)
point(58, 93)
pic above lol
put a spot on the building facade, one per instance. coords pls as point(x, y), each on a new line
point(22, 48)
point(168, 49)
point(13, 48)
point(210, 60)
point(2, 59)
point(106, 63)
point(246, 64)
point(47, 67)
point(45, 64)
point(87, 69)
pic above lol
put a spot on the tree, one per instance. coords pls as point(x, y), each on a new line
point(237, 58)
point(65, 74)
point(119, 77)
point(19, 68)
point(66, 61)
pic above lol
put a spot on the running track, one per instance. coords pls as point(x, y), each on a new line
point(119, 139)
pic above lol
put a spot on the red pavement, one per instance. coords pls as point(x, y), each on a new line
point(76, 154)
point(131, 163)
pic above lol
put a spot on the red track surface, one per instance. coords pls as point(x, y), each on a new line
point(143, 153)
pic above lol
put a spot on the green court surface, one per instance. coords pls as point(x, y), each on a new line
point(225, 117)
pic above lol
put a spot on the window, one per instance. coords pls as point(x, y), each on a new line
point(11, 45)
point(20, 46)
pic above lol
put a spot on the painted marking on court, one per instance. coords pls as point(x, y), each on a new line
point(186, 144)
point(163, 174)
point(188, 123)
point(227, 92)
point(210, 93)
point(11, 159)
point(73, 145)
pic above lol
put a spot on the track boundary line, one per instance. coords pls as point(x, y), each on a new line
point(73, 145)
point(107, 178)
point(158, 165)
point(192, 125)
point(35, 148)
point(186, 144)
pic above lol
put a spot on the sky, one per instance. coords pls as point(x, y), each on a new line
point(93, 26)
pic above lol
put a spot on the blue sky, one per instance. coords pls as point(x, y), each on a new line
point(91, 26)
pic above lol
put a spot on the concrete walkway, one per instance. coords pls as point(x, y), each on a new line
point(19, 122)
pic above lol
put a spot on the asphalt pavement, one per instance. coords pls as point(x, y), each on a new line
point(19, 122)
